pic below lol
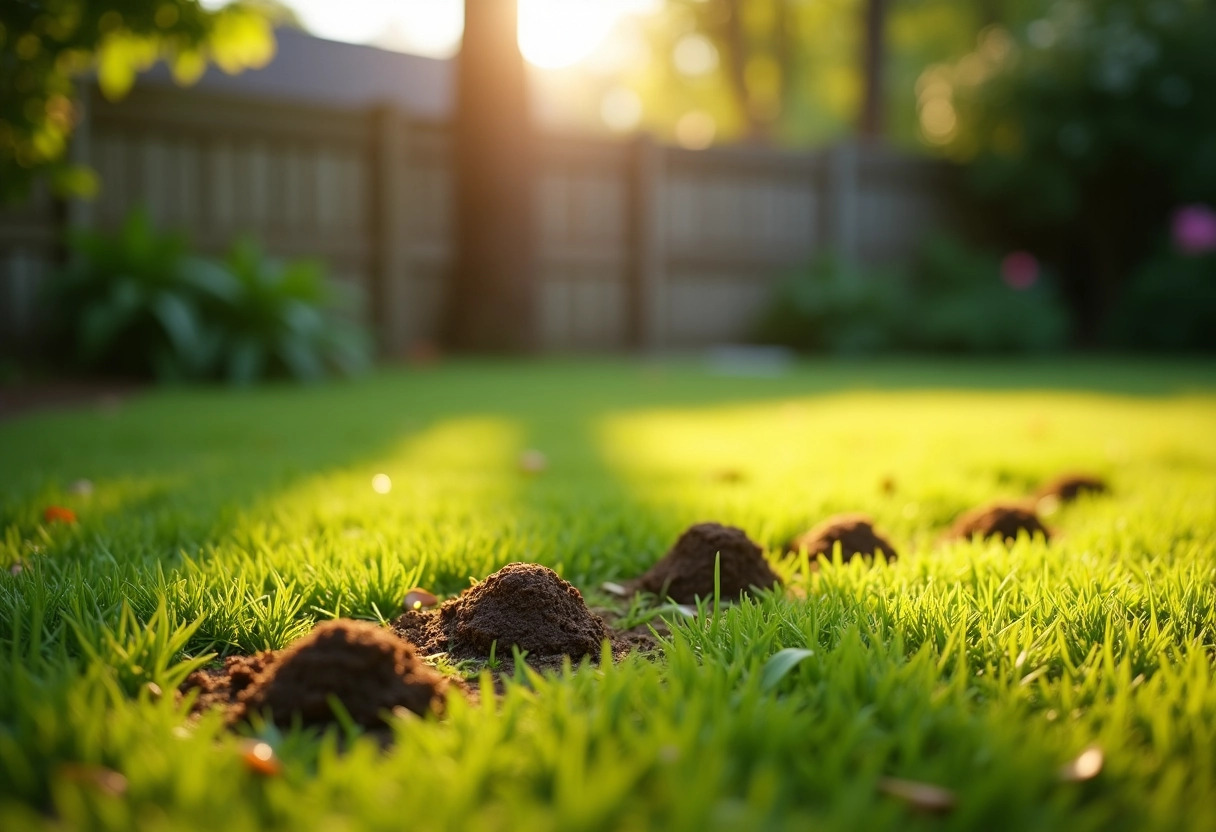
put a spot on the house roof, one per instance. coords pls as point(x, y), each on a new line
point(311, 70)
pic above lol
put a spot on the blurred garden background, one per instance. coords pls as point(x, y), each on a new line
point(238, 190)
point(614, 272)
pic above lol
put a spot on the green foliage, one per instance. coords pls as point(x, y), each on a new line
point(837, 306)
point(962, 304)
point(951, 300)
point(272, 318)
point(1170, 304)
point(136, 303)
point(46, 45)
point(125, 305)
point(1084, 128)
point(974, 666)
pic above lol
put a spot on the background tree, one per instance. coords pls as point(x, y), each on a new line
point(800, 73)
point(1085, 129)
point(47, 45)
point(491, 297)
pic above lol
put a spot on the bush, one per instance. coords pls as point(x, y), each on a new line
point(1170, 304)
point(136, 303)
point(274, 318)
point(971, 301)
point(836, 306)
point(1083, 129)
point(952, 300)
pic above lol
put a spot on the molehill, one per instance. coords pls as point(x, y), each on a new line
point(1003, 520)
point(522, 605)
point(855, 534)
point(366, 668)
point(686, 572)
point(1068, 487)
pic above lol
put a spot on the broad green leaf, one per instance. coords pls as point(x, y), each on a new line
point(780, 664)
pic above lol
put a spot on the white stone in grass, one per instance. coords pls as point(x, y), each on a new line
point(533, 461)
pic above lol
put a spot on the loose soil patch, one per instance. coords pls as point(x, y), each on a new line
point(366, 668)
point(19, 399)
point(522, 605)
point(686, 572)
point(855, 534)
point(1003, 520)
point(1068, 487)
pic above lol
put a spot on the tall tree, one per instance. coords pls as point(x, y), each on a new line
point(46, 46)
point(491, 296)
point(873, 68)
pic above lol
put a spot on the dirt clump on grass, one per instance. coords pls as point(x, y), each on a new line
point(522, 605)
point(686, 572)
point(854, 532)
point(1068, 487)
point(1001, 520)
point(367, 669)
point(221, 686)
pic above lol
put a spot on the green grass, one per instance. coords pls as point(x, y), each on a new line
point(225, 522)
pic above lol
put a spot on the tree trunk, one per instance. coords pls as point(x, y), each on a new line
point(873, 62)
point(490, 304)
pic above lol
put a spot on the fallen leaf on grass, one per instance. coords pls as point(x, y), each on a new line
point(58, 514)
point(923, 796)
point(1086, 766)
point(260, 758)
point(103, 779)
point(780, 664)
point(418, 598)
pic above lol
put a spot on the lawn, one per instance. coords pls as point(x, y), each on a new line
point(228, 522)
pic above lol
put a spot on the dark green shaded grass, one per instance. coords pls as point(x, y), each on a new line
point(225, 522)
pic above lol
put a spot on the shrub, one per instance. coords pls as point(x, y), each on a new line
point(136, 303)
point(968, 300)
point(954, 299)
point(837, 306)
point(1170, 304)
point(125, 304)
point(276, 318)
point(1083, 128)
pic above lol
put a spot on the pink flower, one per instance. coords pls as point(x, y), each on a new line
point(1020, 270)
point(1194, 229)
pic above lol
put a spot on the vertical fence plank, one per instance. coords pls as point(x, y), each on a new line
point(647, 269)
point(840, 201)
point(389, 223)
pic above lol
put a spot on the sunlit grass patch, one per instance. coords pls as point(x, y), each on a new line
point(225, 523)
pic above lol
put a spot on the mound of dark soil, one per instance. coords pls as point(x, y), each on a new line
point(366, 668)
point(220, 688)
point(1003, 520)
point(522, 605)
point(855, 534)
point(1068, 487)
point(687, 571)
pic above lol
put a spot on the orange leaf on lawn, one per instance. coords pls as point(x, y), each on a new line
point(59, 514)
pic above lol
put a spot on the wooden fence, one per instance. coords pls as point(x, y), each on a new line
point(640, 245)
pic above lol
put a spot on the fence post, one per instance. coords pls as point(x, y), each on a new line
point(79, 211)
point(647, 233)
point(840, 197)
point(390, 294)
